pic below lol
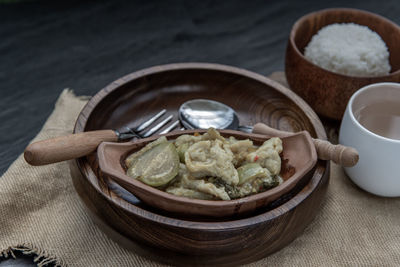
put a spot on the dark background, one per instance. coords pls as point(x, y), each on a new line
point(46, 46)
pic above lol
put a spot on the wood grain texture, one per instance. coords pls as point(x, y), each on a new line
point(67, 147)
point(177, 239)
point(340, 154)
point(328, 92)
point(199, 31)
point(299, 154)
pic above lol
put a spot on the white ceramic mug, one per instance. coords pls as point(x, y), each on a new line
point(378, 169)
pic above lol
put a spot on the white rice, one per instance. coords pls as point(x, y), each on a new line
point(349, 49)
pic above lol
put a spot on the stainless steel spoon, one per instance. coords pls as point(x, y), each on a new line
point(204, 113)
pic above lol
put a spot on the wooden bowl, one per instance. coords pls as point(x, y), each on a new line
point(183, 240)
point(328, 92)
point(299, 153)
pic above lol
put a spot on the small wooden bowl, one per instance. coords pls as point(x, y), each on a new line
point(328, 92)
point(298, 153)
point(190, 240)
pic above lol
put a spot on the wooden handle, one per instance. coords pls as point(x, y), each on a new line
point(342, 155)
point(261, 128)
point(66, 147)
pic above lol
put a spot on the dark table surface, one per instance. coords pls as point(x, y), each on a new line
point(47, 46)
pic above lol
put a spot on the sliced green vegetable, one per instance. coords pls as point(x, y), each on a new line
point(250, 171)
point(133, 157)
point(157, 166)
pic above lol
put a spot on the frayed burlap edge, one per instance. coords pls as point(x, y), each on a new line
point(41, 257)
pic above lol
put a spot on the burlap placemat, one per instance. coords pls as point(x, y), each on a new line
point(41, 214)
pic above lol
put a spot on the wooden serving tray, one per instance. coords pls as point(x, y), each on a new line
point(197, 241)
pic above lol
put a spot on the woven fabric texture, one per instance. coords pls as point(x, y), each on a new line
point(41, 214)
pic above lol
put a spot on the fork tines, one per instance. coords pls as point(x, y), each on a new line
point(156, 127)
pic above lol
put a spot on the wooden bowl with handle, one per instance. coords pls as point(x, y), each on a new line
point(298, 152)
point(325, 91)
point(189, 240)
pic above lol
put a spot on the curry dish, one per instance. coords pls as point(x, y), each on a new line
point(208, 166)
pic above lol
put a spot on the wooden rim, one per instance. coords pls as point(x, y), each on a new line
point(321, 167)
point(301, 20)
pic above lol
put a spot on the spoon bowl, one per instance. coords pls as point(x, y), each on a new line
point(206, 113)
point(299, 157)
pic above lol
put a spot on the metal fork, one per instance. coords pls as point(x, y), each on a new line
point(81, 144)
point(128, 132)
